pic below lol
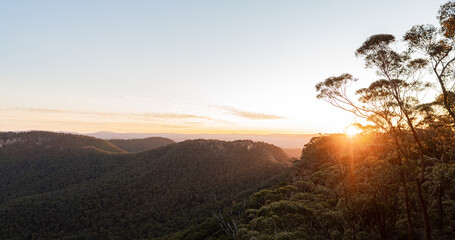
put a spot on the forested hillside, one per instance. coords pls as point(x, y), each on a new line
point(395, 180)
point(54, 192)
point(344, 188)
point(18, 141)
point(38, 162)
point(139, 145)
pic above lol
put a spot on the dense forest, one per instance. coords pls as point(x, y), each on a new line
point(348, 188)
point(62, 186)
point(394, 180)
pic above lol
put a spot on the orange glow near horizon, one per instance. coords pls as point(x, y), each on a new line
point(351, 131)
point(214, 120)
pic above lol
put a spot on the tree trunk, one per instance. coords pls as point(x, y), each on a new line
point(381, 223)
point(408, 209)
point(421, 178)
point(445, 96)
point(423, 205)
point(441, 217)
point(405, 190)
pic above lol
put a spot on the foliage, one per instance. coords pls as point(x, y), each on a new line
point(395, 181)
point(349, 188)
point(85, 193)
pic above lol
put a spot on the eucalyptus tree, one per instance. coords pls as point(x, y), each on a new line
point(402, 79)
point(446, 18)
point(376, 105)
point(439, 136)
point(389, 102)
point(438, 46)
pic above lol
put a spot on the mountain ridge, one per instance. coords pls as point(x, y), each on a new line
point(141, 144)
point(280, 140)
point(79, 193)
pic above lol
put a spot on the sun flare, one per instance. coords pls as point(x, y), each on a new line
point(352, 131)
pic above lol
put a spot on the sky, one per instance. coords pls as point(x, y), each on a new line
point(187, 66)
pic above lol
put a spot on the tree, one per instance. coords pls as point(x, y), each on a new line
point(438, 46)
point(388, 102)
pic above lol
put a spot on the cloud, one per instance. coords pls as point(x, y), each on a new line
point(136, 116)
point(251, 115)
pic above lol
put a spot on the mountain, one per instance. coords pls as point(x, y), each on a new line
point(93, 190)
point(343, 187)
point(38, 162)
point(53, 141)
point(280, 140)
point(139, 145)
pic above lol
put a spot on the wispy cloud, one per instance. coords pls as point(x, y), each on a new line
point(135, 116)
point(251, 115)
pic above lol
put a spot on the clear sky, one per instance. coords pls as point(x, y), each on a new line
point(237, 66)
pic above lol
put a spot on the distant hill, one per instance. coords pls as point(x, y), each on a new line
point(82, 192)
point(38, 162)
point(280, 140)
point(139, 145)
point(51, 140)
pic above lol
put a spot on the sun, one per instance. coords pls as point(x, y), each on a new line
point(351, 131)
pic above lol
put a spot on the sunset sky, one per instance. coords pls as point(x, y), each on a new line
point(186, 66)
